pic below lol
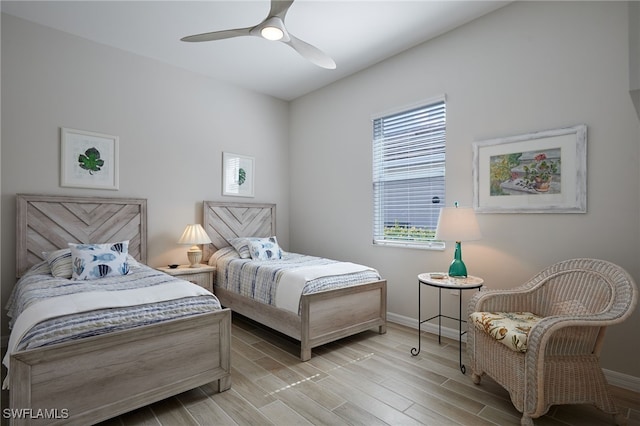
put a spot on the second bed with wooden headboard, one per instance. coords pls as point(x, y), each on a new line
point(323, 316)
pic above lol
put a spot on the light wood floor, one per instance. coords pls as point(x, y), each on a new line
point(369, 379)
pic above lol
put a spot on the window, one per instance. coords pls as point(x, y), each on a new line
point(408, 175)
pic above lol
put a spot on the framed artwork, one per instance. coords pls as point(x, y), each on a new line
point(88, 159)
point(237, 175)
point(542, 172)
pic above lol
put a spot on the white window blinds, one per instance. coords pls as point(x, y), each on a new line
point(408, 175)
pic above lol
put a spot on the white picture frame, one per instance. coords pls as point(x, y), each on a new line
point(88, 159)
point(237, 175)
point(506, 172)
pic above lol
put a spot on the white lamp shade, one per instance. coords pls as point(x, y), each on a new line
point(457, 224)
point(194, 234)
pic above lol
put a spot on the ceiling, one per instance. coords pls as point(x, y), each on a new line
point(355, 33)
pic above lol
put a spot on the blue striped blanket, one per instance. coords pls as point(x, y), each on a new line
point(38, 287)
point(261, 279)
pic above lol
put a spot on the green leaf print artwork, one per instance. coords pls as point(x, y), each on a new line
point(91, 160)
point(242, 177)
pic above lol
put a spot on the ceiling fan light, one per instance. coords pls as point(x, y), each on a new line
point(272, 33)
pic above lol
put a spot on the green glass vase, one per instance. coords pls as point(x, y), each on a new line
point(457, 267)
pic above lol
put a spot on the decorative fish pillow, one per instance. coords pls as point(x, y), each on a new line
point(93, 261)
point(256, 248)
point(265, 249)
point(61, 264)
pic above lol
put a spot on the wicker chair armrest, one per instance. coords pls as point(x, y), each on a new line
point(550, 327)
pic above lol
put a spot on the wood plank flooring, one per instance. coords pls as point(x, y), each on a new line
point(368, 379)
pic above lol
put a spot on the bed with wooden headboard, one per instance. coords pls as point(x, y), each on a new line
point(325, 316)
point(99, 377)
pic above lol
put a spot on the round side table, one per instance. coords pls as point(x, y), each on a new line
point(443, 281)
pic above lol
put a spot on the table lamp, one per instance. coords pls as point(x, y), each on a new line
point(457, 224)
point(193, 235)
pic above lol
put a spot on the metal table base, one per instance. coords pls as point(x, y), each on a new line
point(440, 285)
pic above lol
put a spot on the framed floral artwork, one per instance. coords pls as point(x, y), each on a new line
point(88, 159)
point(237, 175)
point(541, 172)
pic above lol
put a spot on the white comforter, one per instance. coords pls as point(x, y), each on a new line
point(293, 281)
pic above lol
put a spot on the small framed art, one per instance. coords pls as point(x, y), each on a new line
point(542, 172)
point(88, 159)
point(237, 175)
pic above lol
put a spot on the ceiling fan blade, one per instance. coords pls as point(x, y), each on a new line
point(280, 8)
point(218, 35)
point(272, 28)
point(311, 53)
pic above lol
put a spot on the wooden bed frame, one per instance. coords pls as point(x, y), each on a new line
point(86, 381)
point(325, 316)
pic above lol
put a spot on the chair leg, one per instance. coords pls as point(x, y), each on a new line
point(620, 419)
point(476, 378)
point(526, 420)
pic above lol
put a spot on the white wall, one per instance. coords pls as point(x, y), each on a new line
point(634, 56)
point(173, 127)
point(527, 67)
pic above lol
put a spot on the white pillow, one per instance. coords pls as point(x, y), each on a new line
point(93, 261)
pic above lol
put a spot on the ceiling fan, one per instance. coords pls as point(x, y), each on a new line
point(272, 28)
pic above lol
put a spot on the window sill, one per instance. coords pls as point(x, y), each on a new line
point(436, 245)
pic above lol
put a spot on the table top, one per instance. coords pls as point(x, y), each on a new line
point(186, 269)
point(443, 280)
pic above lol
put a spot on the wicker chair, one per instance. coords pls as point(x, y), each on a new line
point(576, 299)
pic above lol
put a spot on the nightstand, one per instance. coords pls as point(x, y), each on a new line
point(201, 275)
point(441, 280)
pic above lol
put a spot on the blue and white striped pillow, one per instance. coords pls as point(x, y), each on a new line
point(242, 247)
point(60, 262)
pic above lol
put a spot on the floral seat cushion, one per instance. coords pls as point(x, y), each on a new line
point(509, 328)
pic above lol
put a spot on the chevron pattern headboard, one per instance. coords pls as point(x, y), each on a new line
point(224, 221)
point(49, 222)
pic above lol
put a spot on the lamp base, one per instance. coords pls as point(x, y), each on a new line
point(194, 254)
point(457, 267)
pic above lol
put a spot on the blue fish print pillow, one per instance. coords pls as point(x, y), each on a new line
point(93, 261)
point(265, 249)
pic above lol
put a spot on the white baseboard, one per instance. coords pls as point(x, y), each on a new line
point(614, 378)
point(621, 380)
